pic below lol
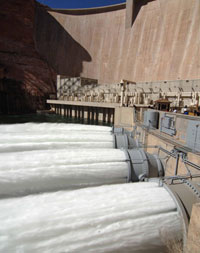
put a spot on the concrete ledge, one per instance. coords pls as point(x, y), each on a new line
point(80, 103)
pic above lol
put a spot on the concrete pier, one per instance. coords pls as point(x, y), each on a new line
point(89, 111)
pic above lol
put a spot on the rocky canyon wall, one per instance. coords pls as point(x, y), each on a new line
point(26, 79)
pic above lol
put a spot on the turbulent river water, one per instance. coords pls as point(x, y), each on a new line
point(42, 163)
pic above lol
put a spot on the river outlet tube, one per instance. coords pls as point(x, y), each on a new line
point(46, 136)
point(136, 217)
point(23, 173)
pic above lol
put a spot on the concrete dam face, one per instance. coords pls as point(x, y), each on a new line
point(161, 42)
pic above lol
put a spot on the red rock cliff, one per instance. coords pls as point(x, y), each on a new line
point(26, 79)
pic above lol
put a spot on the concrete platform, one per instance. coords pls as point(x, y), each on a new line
point(80, 103)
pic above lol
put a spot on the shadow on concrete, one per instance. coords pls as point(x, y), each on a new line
point(57, 46)
point(138, 6)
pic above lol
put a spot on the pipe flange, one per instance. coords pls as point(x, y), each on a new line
point(139, 163)
point(121, 141)
point(193, 186)
point(187, 192)
point(143, 165)
point(160, 166)
point(114, 141)
point(132, 143)
point(180, 207)
point(117, 130)
point(130, 168)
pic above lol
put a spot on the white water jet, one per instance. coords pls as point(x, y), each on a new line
point(51, 127)
point(31, 136)
point(37, 171)
point(137, 217)
point(59, 137)
point(20, 142)
point(19, 147)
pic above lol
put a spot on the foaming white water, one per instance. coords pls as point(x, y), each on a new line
point(72, 136)
point(23, 173)
point(51, 127)
point(30, 136)
point(19, 147)
point(119, 218)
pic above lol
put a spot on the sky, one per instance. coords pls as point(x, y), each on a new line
point(73, 4)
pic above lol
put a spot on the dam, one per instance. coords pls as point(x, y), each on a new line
point(77, 188)
point(141, 60)
point(149, 41)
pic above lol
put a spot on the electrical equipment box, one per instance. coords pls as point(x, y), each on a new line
point(193, 135)
point(167, 125)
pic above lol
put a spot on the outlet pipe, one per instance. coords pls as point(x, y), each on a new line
point(185, 193)
point(32, 136)
point(141, 217)
point(23, 173)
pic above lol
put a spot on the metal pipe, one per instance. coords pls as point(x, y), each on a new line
point(168, 152)
point(181, 177)
point(188, 170)
point(190, 164)
point(176, 154)
point(177, 163)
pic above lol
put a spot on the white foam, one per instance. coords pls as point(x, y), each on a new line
point(31, 136)
point(23, 173)
point(51, 127)
point(119, 218)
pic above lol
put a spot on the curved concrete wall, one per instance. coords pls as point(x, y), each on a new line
point(162, 44)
